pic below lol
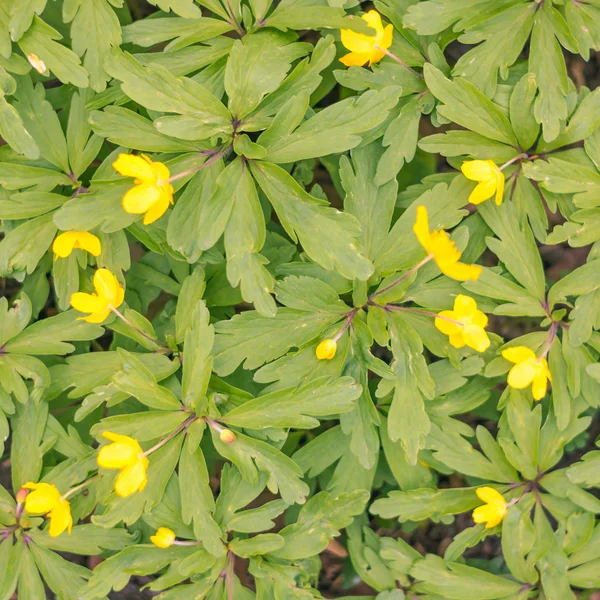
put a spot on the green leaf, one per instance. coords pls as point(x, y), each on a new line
point(23, 247)
point(522, 118)
point(49, 336)
point(262, 543)
point(10, 563)
point(127, 128)
point(465, 105)
point(334, 129)
point(136, 380)
point(407, 419)
point(14, 133)
point(155, 88)
point(40, 40)
point(256, 66)
point(31, 586)
point(22, 15)
point(303, 216)
point(85, 539)
point(319, 522)
point(311, 14)
point(18, 177)
point(197, 500)
point(454, 580)
point(296, 407)
point(183, 8)
point(518, 538)
point(95, 30)
point(252, 456)
point(420, 504)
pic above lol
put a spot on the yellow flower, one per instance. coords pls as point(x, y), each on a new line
point(66, 242)
point(47, 500)
point(363, 47)
point(326, 349)
point(152, 193)
point(528, 369)
point(126, 455)
point(163, 538)
point(442, 249)
point(109, 294)
point(490, 177)
point(494, 509)
point(465, 325)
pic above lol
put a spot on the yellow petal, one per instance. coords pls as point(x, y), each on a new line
point(97, 317)
point(457, 339)
point(131, 165)
point(158, 209)
point(42, 499)
point(355, 59)
point(521, 375)
point(64, 243)
point(373, 20)
point(89, 242)
point(499, 187)
point(386, 38)
point(421, 228)
point(87, 303)
point(518, 354)
point(476, 338)
point(479, 170)
point(357, 42)
point(485, 513)
point(540, 384)
point(107, 286)
point(479, 318)
point(376, 56)
point(460, 271)
point(60, 518)
point(140, 198)
point(163, 538)
point(161, 171)
point(117, 456)
point(447, 327)
point(483, 191)
point(132, 479)
point(464, 306)
point(489, 495)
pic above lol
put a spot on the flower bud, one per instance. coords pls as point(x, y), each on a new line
point(326, 349)
point(37, 63)
point(227, 436)
point(163, 538)
point(22, 494)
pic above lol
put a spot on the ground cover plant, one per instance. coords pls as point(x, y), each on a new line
point(300, 299)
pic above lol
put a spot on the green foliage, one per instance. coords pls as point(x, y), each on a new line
point(295, 185)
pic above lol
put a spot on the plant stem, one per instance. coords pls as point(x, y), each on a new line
point(167, 439)
point(141, 332)
point(229, 575)
point(399, 61)
point(512, 160)
point(212, 160)
point(401, 278)
point(419, 311)
point(214, 425)
point(550, 339)
point(77, 488)
point(234, 21)
point(349, 318)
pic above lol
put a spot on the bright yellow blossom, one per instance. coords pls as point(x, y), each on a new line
point(494, 509)
point(442, 249)
point(45, 499)
point(465, 324)
point(126, 455)
point(490, 178)
point(152, 193)
point(326, 349)
point(528, 369)
point(38, 64)
point(109, 294)
point(227, 436)
point(163, 538)
point(68, 241)
point(367, 48)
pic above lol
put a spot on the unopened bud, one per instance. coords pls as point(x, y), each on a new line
point(326, 349)
point(37, 63)
point(22, 494)
point(227, 436)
